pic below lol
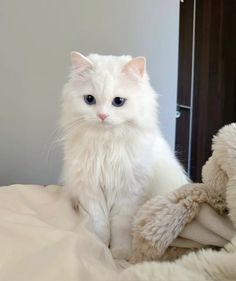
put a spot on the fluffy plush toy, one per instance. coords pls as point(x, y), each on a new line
point(162, 219)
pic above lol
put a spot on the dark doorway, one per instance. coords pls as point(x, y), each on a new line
point(207, 78)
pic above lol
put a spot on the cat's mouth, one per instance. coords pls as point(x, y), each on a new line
point(104, 123)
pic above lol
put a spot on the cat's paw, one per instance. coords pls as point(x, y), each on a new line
point(121, 253)
point(75, 204)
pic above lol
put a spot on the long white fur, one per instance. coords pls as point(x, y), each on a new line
point(111, 168)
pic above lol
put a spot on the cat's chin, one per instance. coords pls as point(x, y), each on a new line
point(106, 125)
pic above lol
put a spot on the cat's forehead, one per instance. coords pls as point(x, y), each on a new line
point(108, 64)
point(103, 83)
point(106, 70)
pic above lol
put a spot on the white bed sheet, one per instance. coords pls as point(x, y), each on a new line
point(42, 238)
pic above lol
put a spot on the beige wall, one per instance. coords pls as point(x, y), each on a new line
point(36, 38)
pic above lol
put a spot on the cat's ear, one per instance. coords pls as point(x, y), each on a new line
point(136, 67)
point(80, 63)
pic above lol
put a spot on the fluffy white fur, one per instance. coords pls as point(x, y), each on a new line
point(205, 265)
point(111, 167)
point(164, 218)
point(219, 177)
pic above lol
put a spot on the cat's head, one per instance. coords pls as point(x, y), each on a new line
point(108, 92)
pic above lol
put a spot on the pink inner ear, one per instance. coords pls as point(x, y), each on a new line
point(135, 66)
point(80, 62)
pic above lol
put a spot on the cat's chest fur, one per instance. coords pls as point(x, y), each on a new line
point(111, 167)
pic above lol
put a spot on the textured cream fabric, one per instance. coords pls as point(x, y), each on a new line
point(41, 238)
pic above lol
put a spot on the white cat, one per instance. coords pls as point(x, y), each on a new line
point(115, 156)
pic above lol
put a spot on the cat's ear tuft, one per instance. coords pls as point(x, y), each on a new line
point(136, 66)
point(80, 63)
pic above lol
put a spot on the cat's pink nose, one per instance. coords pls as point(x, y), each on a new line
point(102, 116)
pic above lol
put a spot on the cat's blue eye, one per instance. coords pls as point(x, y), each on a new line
point(118, 101)
point(89, 99)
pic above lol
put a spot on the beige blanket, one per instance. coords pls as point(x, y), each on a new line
point(41, 238)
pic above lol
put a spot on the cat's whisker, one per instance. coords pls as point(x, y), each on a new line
point(50, 145)
point(67, 129)
point(57, 137)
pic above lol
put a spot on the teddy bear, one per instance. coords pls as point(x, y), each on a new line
point(161, 220)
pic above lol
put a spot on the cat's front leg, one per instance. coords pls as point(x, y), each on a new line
point(121, 237)
point(98, 217)
point(121, 225)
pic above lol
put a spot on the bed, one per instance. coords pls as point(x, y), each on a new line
point(42, 238)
